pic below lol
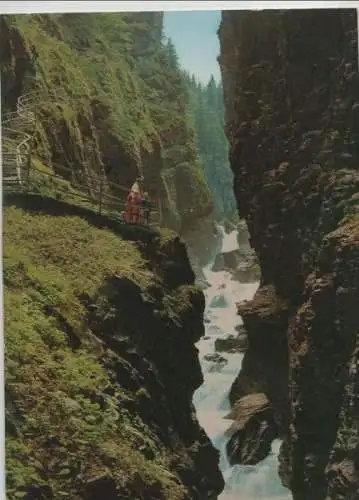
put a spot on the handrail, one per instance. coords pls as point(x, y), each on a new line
point(22, 148)
point(104, 194)
point(17, 149)
point(105, 201)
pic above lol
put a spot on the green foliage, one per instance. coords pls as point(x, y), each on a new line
point(207, 115)
point(184, 181)
point(56, 429)
point(172, 56)
point(112, 98)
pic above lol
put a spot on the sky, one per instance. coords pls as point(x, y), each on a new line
point(194, 35)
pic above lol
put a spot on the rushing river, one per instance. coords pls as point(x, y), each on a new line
point(211, 400)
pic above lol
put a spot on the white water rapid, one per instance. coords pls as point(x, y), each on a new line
point(211, 400)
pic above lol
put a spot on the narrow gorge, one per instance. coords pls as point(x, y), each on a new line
point(212, 354)
point(290, 83)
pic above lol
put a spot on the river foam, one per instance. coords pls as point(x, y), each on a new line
point(259, 482)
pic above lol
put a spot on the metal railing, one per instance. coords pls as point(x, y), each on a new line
point(98, 194)
point(19, 173)
point(18, 129)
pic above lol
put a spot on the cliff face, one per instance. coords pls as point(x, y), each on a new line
point(110, 102)
point(101, 366)
point(291, 94)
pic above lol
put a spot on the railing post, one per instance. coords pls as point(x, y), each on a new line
point(28, 172)
point(160, 210)
point(101, 191)
point(31, 144)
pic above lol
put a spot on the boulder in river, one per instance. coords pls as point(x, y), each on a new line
point(216, 358)
point(253, 430)
point(232, 343)
point(241, 263)
point(218, 361)
point(247, 272)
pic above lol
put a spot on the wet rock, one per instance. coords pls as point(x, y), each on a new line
point(218, 362)
point(240, 329)
point(265, 319)
point(203, 241)
point(230, 260)
point(232, 343)
point(203, 456)
point(247, 272)
point(241, 263)
point(253, 430)
point(216, 358)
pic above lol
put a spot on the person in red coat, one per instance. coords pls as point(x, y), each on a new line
point(132, 205)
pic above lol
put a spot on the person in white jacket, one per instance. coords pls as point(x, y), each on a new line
point(137, 186)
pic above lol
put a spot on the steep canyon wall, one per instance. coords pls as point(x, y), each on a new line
point(291, 90)
point(110, 104)
point(101, 363)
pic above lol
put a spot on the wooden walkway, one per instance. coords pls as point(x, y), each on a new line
point(19, 174)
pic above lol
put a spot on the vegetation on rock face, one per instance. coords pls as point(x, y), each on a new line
point(53, 391)
point(86, 396)
point(111, 99)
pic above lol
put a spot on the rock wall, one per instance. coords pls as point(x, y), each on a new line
point(163, 362)
point(139, 325)
point(110, 104)
point(291, 93)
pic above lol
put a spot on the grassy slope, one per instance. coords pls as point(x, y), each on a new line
point(56, 429)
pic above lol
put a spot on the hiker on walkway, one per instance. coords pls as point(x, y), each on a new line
point(132, 206)
point(127, 216)
point(136, 199)
point(146, 206)
point(137, 186)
